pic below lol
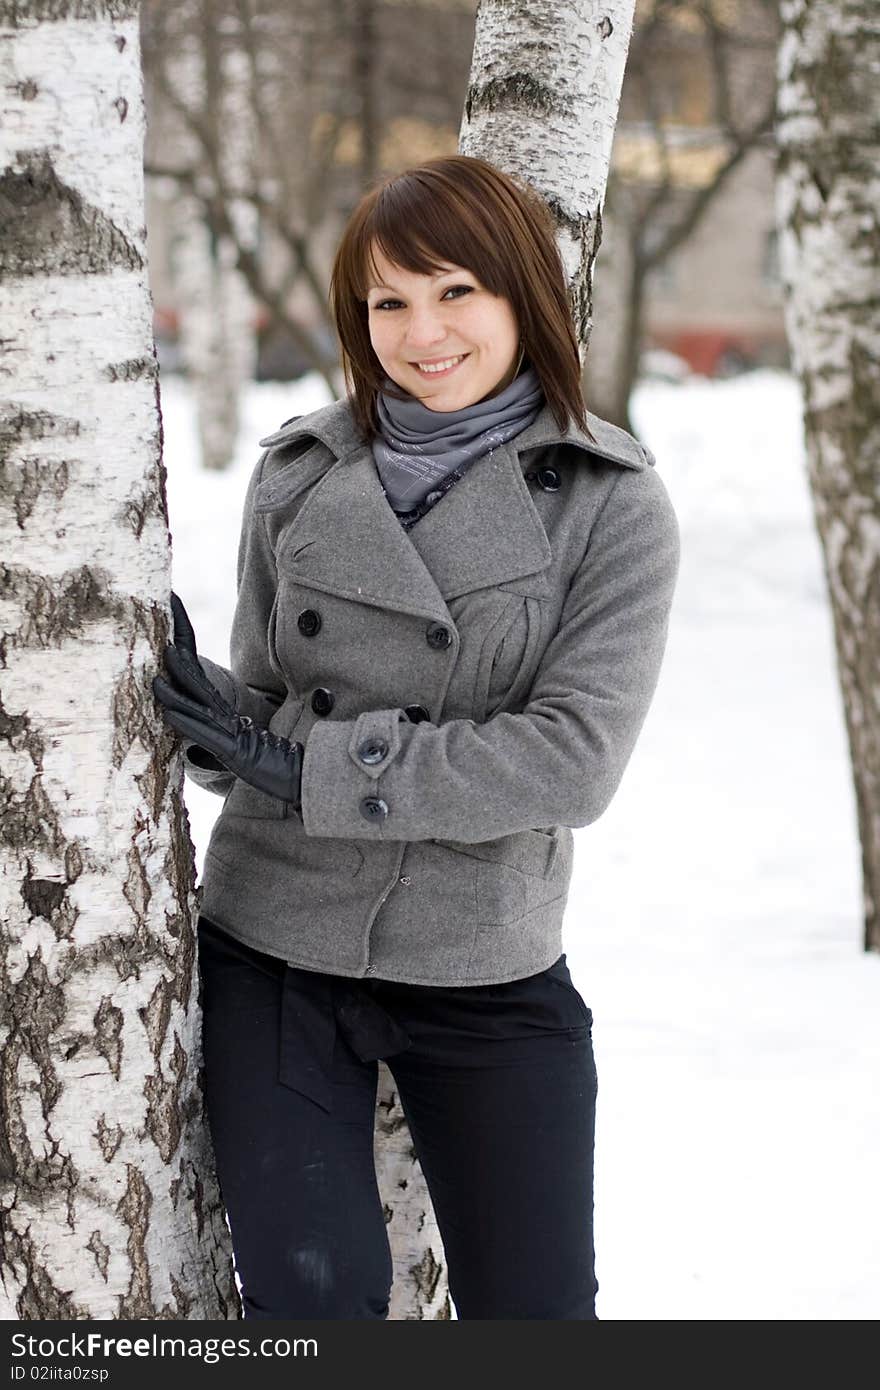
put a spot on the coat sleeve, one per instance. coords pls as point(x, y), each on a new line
point(560, 759)
point(250, 683)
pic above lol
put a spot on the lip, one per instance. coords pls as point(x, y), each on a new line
point(438, 376)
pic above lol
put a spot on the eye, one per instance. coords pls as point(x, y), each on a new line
point(383, 303)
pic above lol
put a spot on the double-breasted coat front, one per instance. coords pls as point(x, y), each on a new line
point(466, 692)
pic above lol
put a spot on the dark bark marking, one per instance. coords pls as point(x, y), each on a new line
point(426, 1274)
point(21, 14)
point(444, 1312)
point(136, 887)
point(516, 91)
point(47, 228)
point(34, 1007)
point(179, 867)
point(134, 1209)
point(134, 369)
point(140, 506)
point(61, 607)
point(17, 424)
point(101, 1252)
point(182, 1301)
point(108, 1138)
point(109, 1020)
point(73, 862)
point(15, 729)
point(170, 1106)
point(29, 822)
point(42, 896)
point(22, 482)
point(164, 1121)
point(39, 1299)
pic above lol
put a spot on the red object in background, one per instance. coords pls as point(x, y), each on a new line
point(713, 352)
point(166, 322)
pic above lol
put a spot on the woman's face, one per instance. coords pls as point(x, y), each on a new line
point(419, 320)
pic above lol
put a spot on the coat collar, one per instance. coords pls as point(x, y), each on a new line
point(347, 540)
point(334, 425)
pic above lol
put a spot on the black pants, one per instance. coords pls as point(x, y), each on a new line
point(498, 1086)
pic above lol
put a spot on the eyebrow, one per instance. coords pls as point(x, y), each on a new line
point(436, 275)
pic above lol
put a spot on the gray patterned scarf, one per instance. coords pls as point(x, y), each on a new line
point(419, 449)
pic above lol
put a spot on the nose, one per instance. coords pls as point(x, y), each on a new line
point(426, 330)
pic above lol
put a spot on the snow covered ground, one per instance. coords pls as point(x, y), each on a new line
point(714, 925)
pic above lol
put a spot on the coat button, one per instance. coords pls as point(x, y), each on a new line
point(309, 622)
point(416, 713)
point(433, 497)
point(438, 636)
point(323, 700)
point(548, 479)
point(374, 808)
point(372, 750)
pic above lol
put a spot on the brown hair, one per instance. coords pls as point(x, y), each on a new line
point(460, 209)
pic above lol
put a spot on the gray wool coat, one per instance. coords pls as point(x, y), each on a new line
point(466, 693)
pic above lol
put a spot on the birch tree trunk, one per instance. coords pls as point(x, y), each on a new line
point(108, 1204)
point(215, 308)
point(542, 105)
point(828, 196)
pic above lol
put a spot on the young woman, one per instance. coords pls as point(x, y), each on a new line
point(453, 595)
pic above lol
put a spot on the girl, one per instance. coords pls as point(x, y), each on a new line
point(454, 586)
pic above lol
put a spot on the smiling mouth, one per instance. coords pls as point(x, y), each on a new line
point(445, 367)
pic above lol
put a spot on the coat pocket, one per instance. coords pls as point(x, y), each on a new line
point(515, 874)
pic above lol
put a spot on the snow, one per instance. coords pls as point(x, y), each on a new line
point(714, 925)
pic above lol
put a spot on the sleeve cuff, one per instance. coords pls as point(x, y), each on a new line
point(343, 764)
point(203, 769)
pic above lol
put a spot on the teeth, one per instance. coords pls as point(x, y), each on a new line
point(440, 366)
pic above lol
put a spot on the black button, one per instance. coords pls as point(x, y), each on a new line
point(372, 750)
point(309, 622)
point(374, 808)
point(438, 636)
point(549, 479)
point(416, 713)
point(323, 700)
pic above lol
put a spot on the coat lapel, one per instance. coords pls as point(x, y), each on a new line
point(485, 531)
point(347, 541)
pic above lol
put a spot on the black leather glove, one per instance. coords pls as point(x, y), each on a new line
point(195, 708)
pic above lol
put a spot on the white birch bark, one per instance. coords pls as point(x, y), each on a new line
point(420, 1290)
point(542, 104)
point(828, 196)
point(109, 1207)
